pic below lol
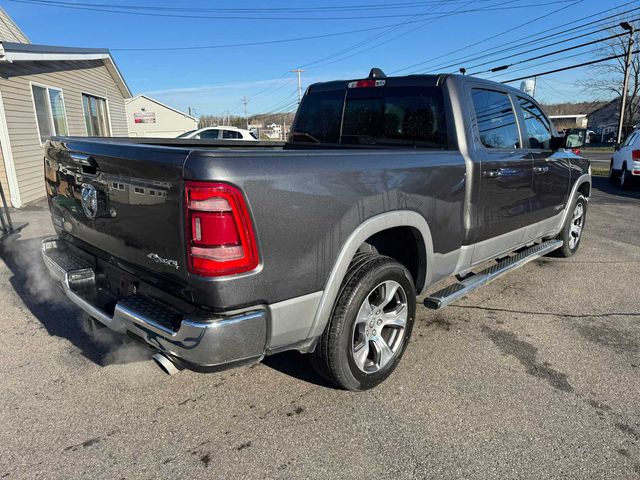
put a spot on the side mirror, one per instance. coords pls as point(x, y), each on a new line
point(557, 143)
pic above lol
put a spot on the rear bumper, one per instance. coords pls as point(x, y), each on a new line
point(198, 341)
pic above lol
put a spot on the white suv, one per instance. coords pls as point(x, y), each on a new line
point(625, 163)
point(220, 133)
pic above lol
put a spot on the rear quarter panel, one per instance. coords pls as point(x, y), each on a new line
point(306, 203)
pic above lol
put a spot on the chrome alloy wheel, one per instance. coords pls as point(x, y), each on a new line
point(378, 332)
point(577, 222)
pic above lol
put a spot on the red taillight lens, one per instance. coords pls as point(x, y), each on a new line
point(220, 237)
point(635, 155)
point(366, 83)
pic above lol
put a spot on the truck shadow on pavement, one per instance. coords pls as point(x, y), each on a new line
point(48, 304)
point(296, 365)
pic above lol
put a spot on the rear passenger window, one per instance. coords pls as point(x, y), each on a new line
point(231, 134)
point(538, 126)
point(496, 119)
point(209, 134)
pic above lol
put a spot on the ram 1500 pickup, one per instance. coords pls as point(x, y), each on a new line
point(217, 255)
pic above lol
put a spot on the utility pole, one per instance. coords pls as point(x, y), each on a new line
point(284, 127)
point(246, 115)
point(535, 84)
point(625, 84)
point(298, 71)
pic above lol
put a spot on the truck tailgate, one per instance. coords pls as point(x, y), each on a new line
point(123, 199)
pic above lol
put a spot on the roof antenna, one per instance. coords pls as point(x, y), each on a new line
point(463, 71)
point(376, 73)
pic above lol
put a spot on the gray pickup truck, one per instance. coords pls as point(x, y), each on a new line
point(217, 255)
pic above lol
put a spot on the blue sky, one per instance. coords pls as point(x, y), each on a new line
point(214, 80)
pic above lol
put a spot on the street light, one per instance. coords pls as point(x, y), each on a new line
point(625, 84)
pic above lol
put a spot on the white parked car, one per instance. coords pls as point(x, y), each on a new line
point(220, 133)
point(625, 164)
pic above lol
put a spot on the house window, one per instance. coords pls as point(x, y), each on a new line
point(138, 190)
point(50, 113)
point(95, 116)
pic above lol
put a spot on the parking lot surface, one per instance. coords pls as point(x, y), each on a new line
point(533, 376)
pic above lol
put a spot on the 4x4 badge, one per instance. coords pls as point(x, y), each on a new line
point(165, 261)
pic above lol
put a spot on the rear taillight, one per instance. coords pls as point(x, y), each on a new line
point(635, 155)
point(366, 83)
point(220, 237)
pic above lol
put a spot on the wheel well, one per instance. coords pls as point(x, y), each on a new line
point(585, 189)
point(404, 244)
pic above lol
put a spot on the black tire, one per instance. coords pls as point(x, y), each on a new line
point(333, 357)
point(567, 249)
point(624, 180)
point(612, 173)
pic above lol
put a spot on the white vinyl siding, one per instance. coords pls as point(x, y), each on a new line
point(72, 77)
point(9, 31)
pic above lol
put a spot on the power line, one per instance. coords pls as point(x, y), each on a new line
point(120, 9)
point(549, 54)
point(542, 47)
point(365, 41)
point(571, 67)
point(528, 37)
point(282, 101)
point(385, 6)
point(281, 82)
point(265, 42)
point(328, 60)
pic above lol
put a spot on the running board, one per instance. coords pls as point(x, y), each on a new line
point(449, 294)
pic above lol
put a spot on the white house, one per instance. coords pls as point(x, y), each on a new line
point(49, 90)
point(147, 117)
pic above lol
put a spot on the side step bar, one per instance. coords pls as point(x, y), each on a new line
point(449, 294)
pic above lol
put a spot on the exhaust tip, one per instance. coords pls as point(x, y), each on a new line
point(165, 364)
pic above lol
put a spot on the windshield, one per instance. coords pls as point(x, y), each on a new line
point(185, 134)
point(391, 116)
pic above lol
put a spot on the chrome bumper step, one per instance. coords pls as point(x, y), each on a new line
point(449, 294)
point(200, 339)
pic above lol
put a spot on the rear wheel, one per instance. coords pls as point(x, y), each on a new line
point(612, 173)
point(624, 180)
point(370, 325)
point(571, 233)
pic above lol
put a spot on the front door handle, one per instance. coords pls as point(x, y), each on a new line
point(540, 169)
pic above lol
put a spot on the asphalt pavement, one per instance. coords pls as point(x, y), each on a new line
point(533, 376)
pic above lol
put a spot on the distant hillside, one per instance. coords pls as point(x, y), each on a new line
point(572, 108)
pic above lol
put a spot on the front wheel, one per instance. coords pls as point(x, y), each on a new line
point(370, 325)
point(571, 233)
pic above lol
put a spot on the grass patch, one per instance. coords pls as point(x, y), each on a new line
point(600, 171)
point(597, 149)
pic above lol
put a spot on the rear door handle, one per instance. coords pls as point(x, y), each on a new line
point(501, 172)
point(493, 173)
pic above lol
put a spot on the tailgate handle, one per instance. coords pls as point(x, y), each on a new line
point(82, 159)
point(87, 163)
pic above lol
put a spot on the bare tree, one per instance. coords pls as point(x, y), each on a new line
point(606, 79)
